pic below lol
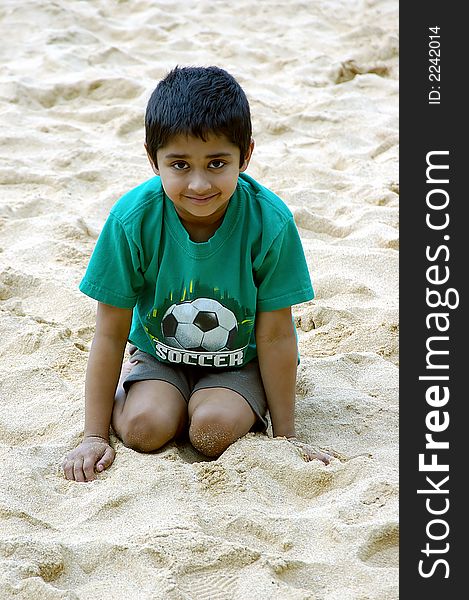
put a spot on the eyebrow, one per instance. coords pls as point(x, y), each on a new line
point(173, 155)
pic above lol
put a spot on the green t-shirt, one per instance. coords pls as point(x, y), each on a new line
point(195, 303)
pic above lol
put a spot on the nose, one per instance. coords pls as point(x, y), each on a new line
point(199, 183)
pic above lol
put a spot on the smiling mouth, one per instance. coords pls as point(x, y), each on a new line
point(201, 198)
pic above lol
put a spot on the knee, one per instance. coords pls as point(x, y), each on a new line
point(143, 434)
point(211, 432)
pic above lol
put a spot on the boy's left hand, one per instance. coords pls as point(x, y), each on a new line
point(308, 452)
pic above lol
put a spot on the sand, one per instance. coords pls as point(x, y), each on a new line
point(258, 522)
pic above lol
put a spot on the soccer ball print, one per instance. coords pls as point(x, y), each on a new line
point(201, 325)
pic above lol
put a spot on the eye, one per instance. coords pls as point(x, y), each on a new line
point(180, 165)
point(217, 163)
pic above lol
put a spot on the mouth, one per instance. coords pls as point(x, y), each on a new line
point(201, 199)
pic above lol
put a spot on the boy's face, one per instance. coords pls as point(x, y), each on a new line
point(200, 177)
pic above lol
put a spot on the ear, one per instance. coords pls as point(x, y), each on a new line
point(153, 166)
point(247, 158)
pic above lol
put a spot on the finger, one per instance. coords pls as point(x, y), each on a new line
point(78, 474)
point(67, 467)
point(309, 455)
point(107, 459)
point(318, 455)
point(325, 458)
point(88, 468)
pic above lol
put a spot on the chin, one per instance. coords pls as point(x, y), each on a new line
point(201, 212)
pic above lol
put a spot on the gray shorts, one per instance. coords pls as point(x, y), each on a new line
point(246, 381)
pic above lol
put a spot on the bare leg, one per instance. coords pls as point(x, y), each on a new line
point(218, 417)
point(150, 415)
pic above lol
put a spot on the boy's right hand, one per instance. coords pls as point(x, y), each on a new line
point(80, 463)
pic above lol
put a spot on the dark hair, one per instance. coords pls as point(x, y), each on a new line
point(198, 101)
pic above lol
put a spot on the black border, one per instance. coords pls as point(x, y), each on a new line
point(424, 128)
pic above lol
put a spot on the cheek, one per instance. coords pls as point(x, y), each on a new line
point(170, 191)
point(229, 183)
point(171, 185)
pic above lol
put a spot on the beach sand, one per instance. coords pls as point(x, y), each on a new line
point(259, 522)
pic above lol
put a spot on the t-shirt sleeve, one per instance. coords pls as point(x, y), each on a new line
point(283, 278)
point(114, 274)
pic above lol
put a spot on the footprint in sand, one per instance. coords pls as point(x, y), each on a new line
point(255, 529)
point(315, 576)
point(220, 579)
point(219, 585)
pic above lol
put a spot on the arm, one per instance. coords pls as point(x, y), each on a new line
point(278, 360)
point(104, 363)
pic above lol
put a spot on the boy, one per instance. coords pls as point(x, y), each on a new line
point(197, 268)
